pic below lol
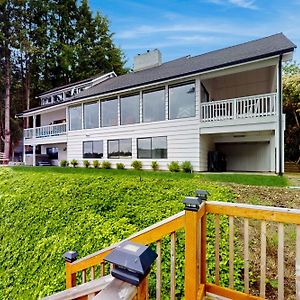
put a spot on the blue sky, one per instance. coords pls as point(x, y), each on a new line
point(180, 28)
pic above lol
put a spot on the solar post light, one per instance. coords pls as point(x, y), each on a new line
point(202, 194)
point(131, 262)
point(70, 256)
point(192, 203)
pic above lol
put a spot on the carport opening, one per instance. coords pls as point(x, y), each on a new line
point(243, 156)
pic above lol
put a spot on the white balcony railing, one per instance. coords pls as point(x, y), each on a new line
point(45, 131)
point(245, 107)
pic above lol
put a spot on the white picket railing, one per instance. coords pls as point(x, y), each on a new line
point(237, 108)
point(45, 131)
point(28, 133)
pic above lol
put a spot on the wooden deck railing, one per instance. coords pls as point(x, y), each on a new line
point(265, 215)
point(194, 223)
point(152, 234)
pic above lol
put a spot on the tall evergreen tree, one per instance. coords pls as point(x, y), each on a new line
point(44, 44)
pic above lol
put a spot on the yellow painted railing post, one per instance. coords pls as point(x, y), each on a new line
point(70, 256)
point(192, 251)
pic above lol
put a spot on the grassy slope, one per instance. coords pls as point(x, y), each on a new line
point(47, 211)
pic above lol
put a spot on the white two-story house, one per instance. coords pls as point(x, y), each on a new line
point(220, 110)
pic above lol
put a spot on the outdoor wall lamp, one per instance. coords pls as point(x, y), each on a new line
point(131, 261)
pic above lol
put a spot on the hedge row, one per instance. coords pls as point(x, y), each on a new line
point(173, 166)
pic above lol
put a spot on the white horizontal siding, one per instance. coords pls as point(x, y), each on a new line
point(182, 138)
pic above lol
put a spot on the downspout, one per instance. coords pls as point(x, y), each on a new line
point(279, 92)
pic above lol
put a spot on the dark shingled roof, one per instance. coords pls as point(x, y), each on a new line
point(265, 47)
point(262, 48)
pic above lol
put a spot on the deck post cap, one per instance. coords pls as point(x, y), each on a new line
point(70, 256)
point(202, 194)
point(192, 203)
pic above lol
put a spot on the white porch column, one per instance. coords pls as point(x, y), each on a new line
point(279, 131)
point(34, 126)
point(33, 155)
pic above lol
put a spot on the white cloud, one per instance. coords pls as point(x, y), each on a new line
point(244, 3)
point(207, 27)
point(248, 4)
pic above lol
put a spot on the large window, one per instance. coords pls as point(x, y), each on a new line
point(93, 149)
point(155, 147)
point(182, 101)
point(119, 148)
point(75, 117)
point(154, 108)
point(91, 115)
point(109, 112)
point(130, 109)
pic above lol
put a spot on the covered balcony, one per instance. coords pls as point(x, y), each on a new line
point(239, 108)
point(50, 124)
point(236, 98)
point(46, 131)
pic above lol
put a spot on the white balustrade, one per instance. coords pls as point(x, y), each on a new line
point(237, 108)
point(46, 131)
point(28, 133)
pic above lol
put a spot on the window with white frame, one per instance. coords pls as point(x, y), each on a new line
point(75, 117)
point(154, 107)
point(130, 109)
point(91, 115)
point(92, 149)
point(119, 148)
point(109, 112)
point(182, 101)
point(152, 147)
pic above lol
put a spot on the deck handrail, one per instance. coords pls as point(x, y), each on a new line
point(46, 131)
point(148, 235)
point(194, 224)
point(89, 288)
point(257, 212)
point(240, 107)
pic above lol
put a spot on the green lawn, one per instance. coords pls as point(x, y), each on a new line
point(46, 211)
point(249, 179)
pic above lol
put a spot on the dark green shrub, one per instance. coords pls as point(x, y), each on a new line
point(174, 166)
point(64, 163)
point(96, 164)
point(137, 164)
point(120, 166)
point(106, 164)
point(74, 163)
point(154, 165)
point(86, 163)
point(187, 167)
